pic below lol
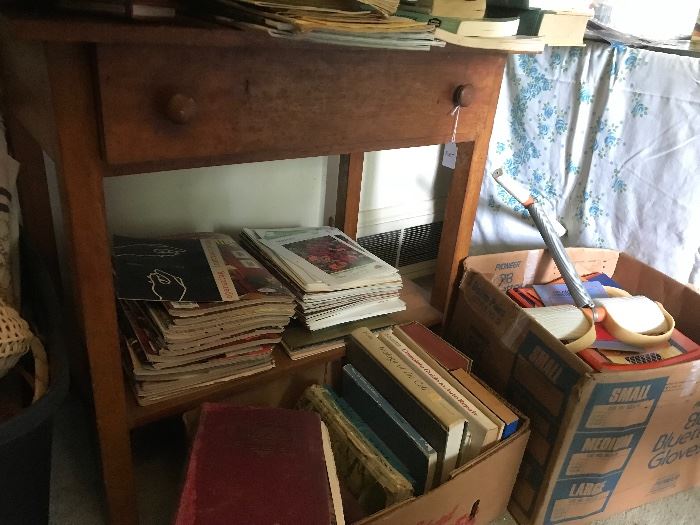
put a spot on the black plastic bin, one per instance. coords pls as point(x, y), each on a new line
point(25, 440)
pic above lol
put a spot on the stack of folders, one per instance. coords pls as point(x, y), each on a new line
point(195, 311)
point(408, 418)
point(333, 278)
point(260, 465)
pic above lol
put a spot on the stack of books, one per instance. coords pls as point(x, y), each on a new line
point(367, 23)
point(462, 23)
point(333, 279)
point(195, 311)
point(408, 414)
point(555, 22)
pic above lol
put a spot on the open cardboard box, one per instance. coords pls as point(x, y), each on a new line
point(601, 442)
point(477, 493)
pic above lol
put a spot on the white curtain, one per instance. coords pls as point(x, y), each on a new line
point(609, 138)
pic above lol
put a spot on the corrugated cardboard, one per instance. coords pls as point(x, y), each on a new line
point(477, 494)
point(488, 479)
point(601, 443)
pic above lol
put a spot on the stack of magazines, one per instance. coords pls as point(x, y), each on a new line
point(195, 311)
point(366, 23)
point(333, 278)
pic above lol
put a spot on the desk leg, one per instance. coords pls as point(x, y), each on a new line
point(460, 212)
point(347, 206)
point(81, 188)
point(463, 199)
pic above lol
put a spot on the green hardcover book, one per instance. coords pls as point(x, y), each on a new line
point(368, 475)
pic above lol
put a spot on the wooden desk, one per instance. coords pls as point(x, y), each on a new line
point(110, 98)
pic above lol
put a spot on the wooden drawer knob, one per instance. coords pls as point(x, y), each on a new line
point(463, 95)
point(181, 109)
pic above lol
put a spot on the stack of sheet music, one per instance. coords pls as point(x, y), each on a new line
point(333, 278)
point(216, 316)
point(364, 23)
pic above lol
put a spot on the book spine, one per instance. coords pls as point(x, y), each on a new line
point(530, 19)
point(482, 430)
point(372, 438)
point(392, 428)
point(368, 476)
point(410, 396)
point(491, 400)
point(415, 334)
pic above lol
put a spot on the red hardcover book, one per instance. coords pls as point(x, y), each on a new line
point(256, 465)
point(443, 352)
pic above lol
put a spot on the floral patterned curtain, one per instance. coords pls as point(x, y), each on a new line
point(609, 137)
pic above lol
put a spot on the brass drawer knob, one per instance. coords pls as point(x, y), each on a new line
point(181, 109)
point(463, 95)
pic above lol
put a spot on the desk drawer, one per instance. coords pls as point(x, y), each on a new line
point(171, 103)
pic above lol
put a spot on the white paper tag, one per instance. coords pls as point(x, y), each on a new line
point(449, 155)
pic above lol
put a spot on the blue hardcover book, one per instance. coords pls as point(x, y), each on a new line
point(432, 416)
point(392, 428)
point(367, 432)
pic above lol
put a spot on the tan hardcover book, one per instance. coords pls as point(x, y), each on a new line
point(423, 407)
point(490, 399)
point(483, 429)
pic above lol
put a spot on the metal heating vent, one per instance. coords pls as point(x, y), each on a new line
point(420, 243)
point(383, 245)
point(406, 246)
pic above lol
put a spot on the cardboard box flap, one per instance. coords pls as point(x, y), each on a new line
point(508, 323)
point(521, 268)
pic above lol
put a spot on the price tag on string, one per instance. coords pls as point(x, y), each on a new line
point(449, 153)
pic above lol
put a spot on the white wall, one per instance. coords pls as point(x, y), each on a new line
point(222, 198)
point(267, 194)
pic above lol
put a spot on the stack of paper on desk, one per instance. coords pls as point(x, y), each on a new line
point(334, 279)
point(365, 23)
point(172, 345)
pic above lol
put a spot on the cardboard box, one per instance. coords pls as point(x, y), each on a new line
point(477, 493)
point(601, 442)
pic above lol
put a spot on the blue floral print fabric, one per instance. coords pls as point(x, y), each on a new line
point(608, 138)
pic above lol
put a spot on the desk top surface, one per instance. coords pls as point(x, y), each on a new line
point(65, 27)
